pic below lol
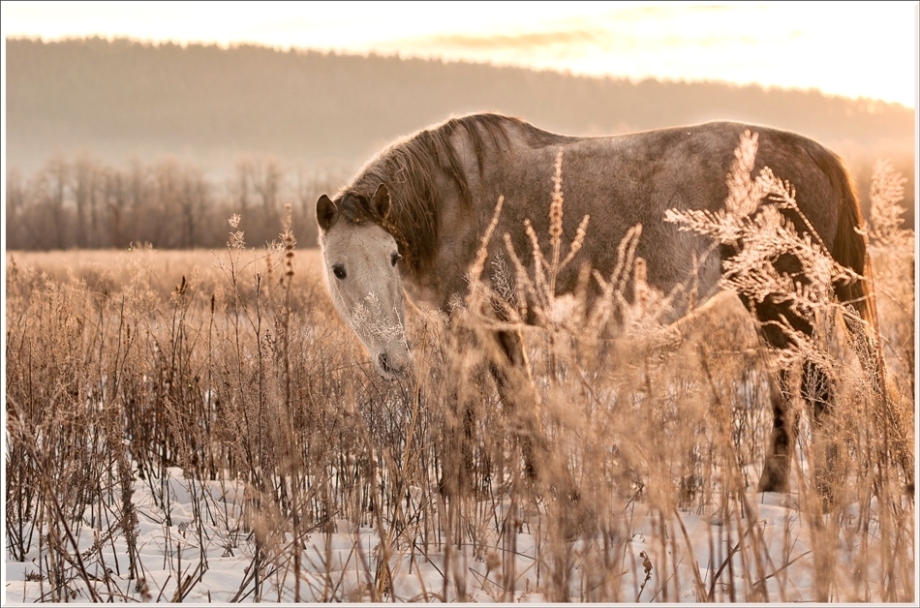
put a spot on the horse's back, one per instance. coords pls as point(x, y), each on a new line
point(624, 180)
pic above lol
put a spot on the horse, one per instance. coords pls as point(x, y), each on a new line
point(412, 219)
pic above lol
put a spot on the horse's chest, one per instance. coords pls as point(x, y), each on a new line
point(422, 294)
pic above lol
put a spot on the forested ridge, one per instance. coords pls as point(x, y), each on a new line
point(228, 119)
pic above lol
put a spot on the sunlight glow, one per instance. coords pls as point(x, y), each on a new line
point(851, 49)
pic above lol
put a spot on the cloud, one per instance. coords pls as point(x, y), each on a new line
point(517, 42)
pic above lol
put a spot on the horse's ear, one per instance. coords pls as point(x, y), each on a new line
point(382, 201)
point(326, 213)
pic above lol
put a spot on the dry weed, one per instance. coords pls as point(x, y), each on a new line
point(235, 389)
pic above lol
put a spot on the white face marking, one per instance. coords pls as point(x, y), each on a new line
point(362, 273)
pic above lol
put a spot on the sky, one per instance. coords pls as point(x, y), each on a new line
point(860, 49)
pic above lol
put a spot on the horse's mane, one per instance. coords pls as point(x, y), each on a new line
point(415, 170)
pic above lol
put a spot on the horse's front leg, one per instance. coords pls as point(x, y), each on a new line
point(519, 397)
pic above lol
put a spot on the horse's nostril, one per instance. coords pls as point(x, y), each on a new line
point(384, 361)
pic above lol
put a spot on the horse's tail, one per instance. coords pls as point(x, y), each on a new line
point(850, 249)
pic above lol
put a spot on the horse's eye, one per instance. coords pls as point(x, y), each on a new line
point(395, 258)
point(339, 271)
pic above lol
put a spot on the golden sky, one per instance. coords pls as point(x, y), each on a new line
point(860, 49)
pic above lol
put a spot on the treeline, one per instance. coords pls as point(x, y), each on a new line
point(84, 203)
point(123, 98)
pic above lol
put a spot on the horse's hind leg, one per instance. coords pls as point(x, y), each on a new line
point(775, 475)
point(816, 390)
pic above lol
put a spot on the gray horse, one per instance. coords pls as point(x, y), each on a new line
point(414, 216)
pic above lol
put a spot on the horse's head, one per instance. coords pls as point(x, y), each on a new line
point(360, 259)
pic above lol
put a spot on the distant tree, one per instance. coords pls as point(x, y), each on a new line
point(267, 185)
point(140, 195)
point(115, 197)
point(244, 169)
point(15, 206)
point(88, 175)
point(162, 217)
point(311, 183)
point(53, 184)
point(192, 203)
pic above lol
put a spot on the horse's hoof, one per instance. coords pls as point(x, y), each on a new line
point(775, 476)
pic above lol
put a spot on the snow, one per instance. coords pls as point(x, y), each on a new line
point(341, 562)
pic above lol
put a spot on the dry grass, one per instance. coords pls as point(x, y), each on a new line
point(124, 367)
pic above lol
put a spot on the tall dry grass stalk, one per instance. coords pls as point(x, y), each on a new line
point(237, 391)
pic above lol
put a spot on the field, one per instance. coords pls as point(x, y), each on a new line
point(201, 426)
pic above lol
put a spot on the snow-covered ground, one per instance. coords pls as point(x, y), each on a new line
point(204, 552)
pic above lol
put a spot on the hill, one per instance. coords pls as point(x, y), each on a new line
point(122, 99)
